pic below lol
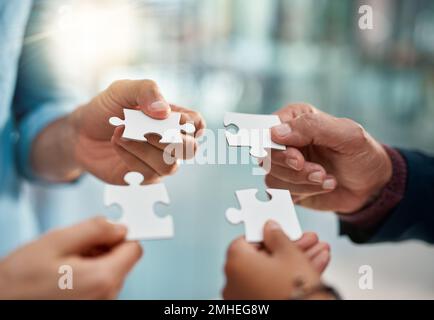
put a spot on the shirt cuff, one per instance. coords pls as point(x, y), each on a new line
point(392, 194)
point(28, 129)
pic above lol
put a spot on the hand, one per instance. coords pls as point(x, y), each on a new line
point(316, 251)
point(100, 148)
point(96, 251)
point(330, 164)
point(273, 272)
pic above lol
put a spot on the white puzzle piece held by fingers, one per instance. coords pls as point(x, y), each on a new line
point(254, 132)
point(137, 203)
point(255, 214)
point(137, 125)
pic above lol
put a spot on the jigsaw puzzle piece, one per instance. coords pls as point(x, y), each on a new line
point(137, 203)
point(174, 136)
point(253, 132)
point(255, 214)
point(138, 125)
point(134, 124)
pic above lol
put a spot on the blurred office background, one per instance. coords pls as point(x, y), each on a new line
point(252, 56)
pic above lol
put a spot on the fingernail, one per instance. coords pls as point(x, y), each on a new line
point(159, 106)
point(282, 130)
point(329, 184)
point(293, 163)
point(316, 177)
point(273, 225)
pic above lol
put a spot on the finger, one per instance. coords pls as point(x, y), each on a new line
point(191, 116)
point(131, 163)
point(239, 246)
point(320, 129)
point(186, 150)
point(139, 94)
point(122, 258)
point(317, 249)
point(275, 240)
point(291, 158)
point(311, 173)
point(148, 155)
point(301, 189)
point(307, 241)
point(321, 261)
point(295, 110)
point(87, 235)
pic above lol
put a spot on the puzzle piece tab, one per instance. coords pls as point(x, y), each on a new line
point(137, 203)
point(137, 125)
point(255, 214)
point(254, 132)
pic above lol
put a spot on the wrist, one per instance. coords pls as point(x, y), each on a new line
point(52, 155)
point(72, 137)
point(382, 176)
point(385, 172)
point(390, 196)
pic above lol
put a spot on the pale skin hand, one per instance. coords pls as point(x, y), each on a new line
point(96, 250)
point(273, 270)
point(330, 164)
point(85, 140)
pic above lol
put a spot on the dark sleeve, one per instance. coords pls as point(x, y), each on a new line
point(412, 217)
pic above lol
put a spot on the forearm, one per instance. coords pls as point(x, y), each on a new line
point(52, 155)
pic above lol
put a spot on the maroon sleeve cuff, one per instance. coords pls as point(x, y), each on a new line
point(392, 194)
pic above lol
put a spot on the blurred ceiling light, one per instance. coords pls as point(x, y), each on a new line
point(94, 33)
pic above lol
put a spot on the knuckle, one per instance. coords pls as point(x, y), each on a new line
point(309, 118)
point(315, 237)
point(100, 224)
point(116, 85)
point(234, 247)
point(358, 135)
point(150, 85)
point(326, 246)
point(306, 107)
point(306, 121)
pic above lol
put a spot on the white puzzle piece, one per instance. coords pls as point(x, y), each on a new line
point(137, 203)
point(137, 125)
point(254, 132)
point(255, 214)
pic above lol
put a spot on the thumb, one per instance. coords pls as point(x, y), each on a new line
point(275, 240)
point(142, 94)
point(123, 258)
point(87, 235)
point(319, 129)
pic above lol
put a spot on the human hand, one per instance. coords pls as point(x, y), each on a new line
point(276, 270)
point(100, 148)
point(330, 164)
point(95, 250)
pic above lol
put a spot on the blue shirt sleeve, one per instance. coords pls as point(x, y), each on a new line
point(41, 94)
